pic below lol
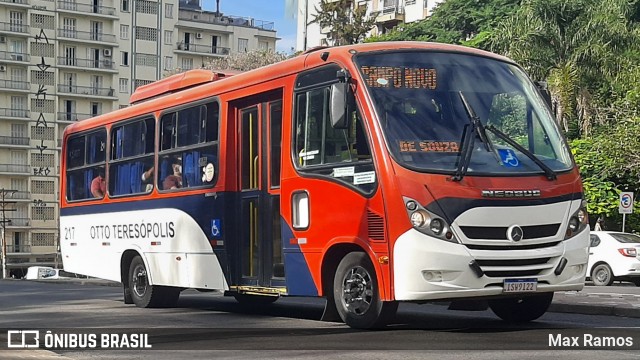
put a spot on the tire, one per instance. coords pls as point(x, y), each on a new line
point(145, 295)
point(602, 275)
point(636, 281)
point(357, 295)
point(255, 300)
point(521, 309)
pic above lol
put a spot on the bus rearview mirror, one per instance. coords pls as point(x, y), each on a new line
point(339, 105)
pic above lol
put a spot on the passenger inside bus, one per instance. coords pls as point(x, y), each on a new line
point(174, 180)
point(98, 185)
point(147, 179)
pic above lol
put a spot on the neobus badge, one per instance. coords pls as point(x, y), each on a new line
point(510, 193)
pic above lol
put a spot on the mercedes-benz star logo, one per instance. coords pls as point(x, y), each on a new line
point(514, 233)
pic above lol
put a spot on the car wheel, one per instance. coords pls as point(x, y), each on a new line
point(521, 309)
point(602, 275)
point(356, 294)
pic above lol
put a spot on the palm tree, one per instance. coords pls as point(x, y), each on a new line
point(572, 44)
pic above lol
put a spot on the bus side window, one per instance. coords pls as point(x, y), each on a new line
point(86, 155)
point(131, 167)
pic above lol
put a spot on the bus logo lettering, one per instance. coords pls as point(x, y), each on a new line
point(510, 193)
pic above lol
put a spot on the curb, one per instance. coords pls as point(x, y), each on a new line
point(588, 309)
point(80, 282)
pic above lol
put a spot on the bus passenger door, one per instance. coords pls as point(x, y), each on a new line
point(260, 243)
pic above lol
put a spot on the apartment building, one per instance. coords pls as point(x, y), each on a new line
point(388, 14)
point(63, 61)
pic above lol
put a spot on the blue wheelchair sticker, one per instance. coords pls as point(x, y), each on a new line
point(216, 229)
point(508, 157)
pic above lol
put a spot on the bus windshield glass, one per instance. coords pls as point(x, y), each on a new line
point(420, 102)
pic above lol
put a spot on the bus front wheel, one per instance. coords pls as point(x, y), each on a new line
point(521, 309)
point(357, 295)
point(143, 294)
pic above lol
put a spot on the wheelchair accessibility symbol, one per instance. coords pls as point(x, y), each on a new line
point(508, 157)
point(216, 229)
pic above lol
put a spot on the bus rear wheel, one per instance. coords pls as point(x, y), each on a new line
point(521, 309)
point(357, 295)
point(145, 295)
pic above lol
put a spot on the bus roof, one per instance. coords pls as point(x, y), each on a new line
point(153, 97)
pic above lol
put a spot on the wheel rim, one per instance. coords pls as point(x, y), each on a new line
point(357, 290)
point(602, 276)
point(139, 280)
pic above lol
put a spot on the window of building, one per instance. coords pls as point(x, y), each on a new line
point(85, 162)
point(124, 5)
point(168, 63)
point(125, 58)
point(131, 167)
point(147, 7)
point(187, 63)
point(188, 143)
point(168, 37)
point(43, 239)
point(146, 33)
point(41, 132)
point(124, 31)
point(243, 45)
point(168, 11)
point(263, 45)
point(124, 85)
point(42, 187)
point(42, 213)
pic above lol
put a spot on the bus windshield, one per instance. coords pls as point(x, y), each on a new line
point(420, 102)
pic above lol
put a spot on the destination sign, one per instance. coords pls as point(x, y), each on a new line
point(400, 77)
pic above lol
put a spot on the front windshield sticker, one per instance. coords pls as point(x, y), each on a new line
point(367, 177)
point(429, 146)
point(344, 171)
point(508, 158)
point(308, 155)
point(400, 77)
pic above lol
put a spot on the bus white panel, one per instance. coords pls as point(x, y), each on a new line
point(203, 273)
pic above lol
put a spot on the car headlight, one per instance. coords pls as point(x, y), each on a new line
point(427, 222)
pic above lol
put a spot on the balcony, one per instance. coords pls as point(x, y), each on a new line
point(86, 35)
point(86, 90)
point(15, 2)
point(14, 85)
point(23, 114)
point(15, 29)
point(211, 18)
point(203, 49)
point(105, 64)
point(14, 56)
point(20, 195)
point(72, 117)
point(18, 221)
point(17, 249)
point(86, 9)
point(390, 14)
point(14, 141)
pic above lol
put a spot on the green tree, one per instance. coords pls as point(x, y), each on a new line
point(578, 46)
point(347, 23)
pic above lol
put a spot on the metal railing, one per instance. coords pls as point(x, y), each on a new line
point(13, 27)
point(71, 117)
point(21, 2)
point(86, 63)
point(14, 140)
point(86, 35)
point(16, 85)
point(14, 56)
point(18, 221)
point(86, 8)
point(85, 90)
point(17, 113)
point(20, 195)
point(14, 168)
point(211, 18)
point(12, 248)
point(203, 49)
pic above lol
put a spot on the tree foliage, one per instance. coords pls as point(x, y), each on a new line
point(246, 61)
point(346, 22)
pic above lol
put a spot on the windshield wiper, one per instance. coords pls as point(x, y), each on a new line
point(551, 175)
point(476, 128)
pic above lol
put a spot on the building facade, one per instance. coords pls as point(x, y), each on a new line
point(63, 61)
point(388, 14)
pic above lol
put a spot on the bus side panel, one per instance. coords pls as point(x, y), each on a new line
point(298, 275)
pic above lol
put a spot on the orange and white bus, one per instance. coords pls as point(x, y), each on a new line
point(368, 174)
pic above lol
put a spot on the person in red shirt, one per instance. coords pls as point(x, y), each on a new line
point(98, 185)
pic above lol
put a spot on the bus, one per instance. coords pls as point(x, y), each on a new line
point(367, 174)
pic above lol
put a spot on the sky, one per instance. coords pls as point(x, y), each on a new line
point(266, 10)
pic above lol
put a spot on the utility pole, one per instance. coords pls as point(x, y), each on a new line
point(3, 222)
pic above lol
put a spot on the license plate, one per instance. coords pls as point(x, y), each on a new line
point(520, 285)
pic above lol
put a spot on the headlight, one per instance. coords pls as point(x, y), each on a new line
point(427, 222)
point(578, 221)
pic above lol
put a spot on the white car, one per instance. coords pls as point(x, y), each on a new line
point(614, 256)
point(45, 272)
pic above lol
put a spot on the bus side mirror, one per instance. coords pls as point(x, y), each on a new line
point(339, 105)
